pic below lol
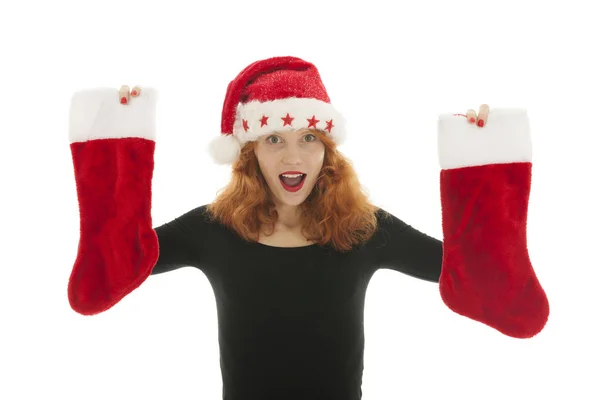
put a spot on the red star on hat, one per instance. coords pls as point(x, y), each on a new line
point(287, 120)
point(312, 122)
point(329, 125)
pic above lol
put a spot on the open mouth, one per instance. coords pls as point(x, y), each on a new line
point(292, 182)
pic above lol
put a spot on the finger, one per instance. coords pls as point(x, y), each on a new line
point(471, 116)
point(484, 111)
point(135, 91)
point(124, 94)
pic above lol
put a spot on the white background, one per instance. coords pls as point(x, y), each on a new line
point(391, 71)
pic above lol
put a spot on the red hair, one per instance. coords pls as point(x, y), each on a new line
point(337, 212)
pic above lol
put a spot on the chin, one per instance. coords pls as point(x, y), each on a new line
point(291, 199)
point(293, 202)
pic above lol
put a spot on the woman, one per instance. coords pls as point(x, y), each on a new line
point(289, 246)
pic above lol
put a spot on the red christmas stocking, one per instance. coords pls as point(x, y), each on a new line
point(485, 182)
point(112, 146)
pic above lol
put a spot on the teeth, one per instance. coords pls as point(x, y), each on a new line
point(291, 176)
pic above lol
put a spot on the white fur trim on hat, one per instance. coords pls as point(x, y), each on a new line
point(98, 114)
point(300, 109)
point(224, 149)
point(505, 138)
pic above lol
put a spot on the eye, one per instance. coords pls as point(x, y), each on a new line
point(271, 141)
point(310, 135)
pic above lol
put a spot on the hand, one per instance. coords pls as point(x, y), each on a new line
point(124, 93)
point(480, 119)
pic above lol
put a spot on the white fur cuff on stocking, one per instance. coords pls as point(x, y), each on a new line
point(98, 114)
point(504, 139)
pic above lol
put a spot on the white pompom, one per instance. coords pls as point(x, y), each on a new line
point(224, 149)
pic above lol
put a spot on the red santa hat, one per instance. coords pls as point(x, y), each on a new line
point(274, 95)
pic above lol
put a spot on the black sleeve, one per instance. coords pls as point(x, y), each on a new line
point(175, 246)
point(402, 248)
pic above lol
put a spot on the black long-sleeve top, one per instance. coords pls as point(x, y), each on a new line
point(290, 319)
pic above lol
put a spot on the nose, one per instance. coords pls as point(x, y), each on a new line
point(291, 155)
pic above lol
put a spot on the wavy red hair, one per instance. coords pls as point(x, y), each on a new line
point(337, 213)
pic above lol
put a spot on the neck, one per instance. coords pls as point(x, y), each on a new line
point(289, 216)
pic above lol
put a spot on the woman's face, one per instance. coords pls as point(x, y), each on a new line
point(290, 163)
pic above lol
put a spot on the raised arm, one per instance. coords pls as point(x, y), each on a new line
point(402, 248)
point(177, 247)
